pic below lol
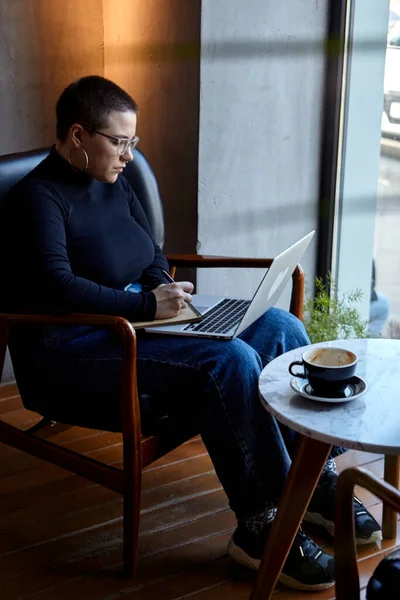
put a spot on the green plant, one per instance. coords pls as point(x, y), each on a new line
point(330, 317)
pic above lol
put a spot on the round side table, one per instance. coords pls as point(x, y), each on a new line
point(370, 423)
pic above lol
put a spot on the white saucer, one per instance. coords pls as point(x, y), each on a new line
point(355, 389)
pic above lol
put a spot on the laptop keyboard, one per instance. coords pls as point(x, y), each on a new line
point(222, 317)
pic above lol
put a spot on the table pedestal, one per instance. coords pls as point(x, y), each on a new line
point(296, 495)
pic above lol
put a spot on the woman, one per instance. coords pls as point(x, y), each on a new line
point(76, 238)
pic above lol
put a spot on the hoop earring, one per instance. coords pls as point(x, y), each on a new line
point(86, 160)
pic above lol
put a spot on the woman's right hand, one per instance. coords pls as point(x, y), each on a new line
point(172, 298)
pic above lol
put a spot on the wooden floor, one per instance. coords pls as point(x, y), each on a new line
point(60, 535)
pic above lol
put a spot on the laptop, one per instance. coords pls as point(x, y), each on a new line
point(225, 318)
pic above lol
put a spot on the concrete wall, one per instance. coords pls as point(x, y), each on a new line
point(261, 89)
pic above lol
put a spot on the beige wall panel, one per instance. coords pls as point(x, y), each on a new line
point(44, 45)
point(152, 50)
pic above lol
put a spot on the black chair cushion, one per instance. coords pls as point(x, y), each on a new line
point(14, 167)
point(142, 179)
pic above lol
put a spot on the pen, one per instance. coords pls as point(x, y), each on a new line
point(168, 276)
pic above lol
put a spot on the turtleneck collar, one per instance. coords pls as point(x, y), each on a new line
point(62, 168)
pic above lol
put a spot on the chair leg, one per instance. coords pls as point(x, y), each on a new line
point(131, 503)
point(390, 516)
point(131, 532)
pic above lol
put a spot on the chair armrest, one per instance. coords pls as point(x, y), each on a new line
point(346, 571)
point(204, 261)
point(71, 319)
point(129, 396)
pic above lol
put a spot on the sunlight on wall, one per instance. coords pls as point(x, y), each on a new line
point(142, 42)
point(122, 34)
point(44, 45)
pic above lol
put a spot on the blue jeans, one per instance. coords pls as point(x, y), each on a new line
point(212, 383)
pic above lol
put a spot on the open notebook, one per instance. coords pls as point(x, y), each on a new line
point(187, 315)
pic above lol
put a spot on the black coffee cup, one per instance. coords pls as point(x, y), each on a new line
point(328, 369)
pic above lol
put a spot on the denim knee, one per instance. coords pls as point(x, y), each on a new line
point(274, 333)
point(292, 329)
point(238, 361)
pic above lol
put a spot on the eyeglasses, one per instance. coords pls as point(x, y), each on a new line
point(123, 144)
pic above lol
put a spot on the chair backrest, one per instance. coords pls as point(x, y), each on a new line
point(385, 581)
point(13, 167)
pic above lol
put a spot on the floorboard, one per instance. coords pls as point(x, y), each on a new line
point(60, 535)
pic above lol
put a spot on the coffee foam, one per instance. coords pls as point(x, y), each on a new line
point(331, 357)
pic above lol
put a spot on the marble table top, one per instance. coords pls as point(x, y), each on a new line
point(370, 423)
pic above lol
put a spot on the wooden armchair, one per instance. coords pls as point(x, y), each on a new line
point(138, 450)
point(346, 571)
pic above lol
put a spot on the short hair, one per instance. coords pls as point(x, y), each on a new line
point(89, 101)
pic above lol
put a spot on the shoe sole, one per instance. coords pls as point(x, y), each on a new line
point(317, 519)
point(245, 560)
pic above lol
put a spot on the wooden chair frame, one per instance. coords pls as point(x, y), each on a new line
point(138, 451)
point(346, 570)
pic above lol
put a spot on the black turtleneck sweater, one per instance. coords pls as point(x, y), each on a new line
point(70, 243)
